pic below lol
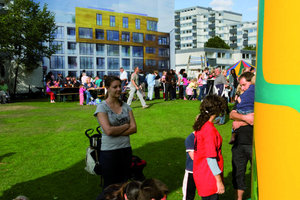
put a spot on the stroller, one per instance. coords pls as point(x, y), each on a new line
point(93, 166)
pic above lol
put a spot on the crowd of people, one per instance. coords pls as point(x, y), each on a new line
point(84, 85)
point(204, 165)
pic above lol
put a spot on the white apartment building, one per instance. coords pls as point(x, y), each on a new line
point(199, 58)
point(195, 25)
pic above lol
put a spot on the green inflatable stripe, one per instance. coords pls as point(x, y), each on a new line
point(269, 93)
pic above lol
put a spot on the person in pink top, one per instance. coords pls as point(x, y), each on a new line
point(185, 84)
point(81, 94)
point(49, 92)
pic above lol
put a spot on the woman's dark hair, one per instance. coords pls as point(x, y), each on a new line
point(117, 191)
point(181, 71)
point(233, 74)
point(132, 190)
point(211, 105)
point(152, 189)
point(108, 81)
point(184, 75)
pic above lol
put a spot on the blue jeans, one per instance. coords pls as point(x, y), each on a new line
point(88, 96)
point(202, 92)
point(184, 90)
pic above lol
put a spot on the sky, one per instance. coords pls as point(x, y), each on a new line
point(248, 8)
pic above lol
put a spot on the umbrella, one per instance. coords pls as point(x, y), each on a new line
point(239, 66)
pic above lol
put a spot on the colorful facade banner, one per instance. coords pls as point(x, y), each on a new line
point(277, 103)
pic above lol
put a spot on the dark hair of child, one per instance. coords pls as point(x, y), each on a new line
point(211, 105)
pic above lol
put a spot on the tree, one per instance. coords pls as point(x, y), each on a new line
point(216, 42)
point(25, 31)
point(251, 48)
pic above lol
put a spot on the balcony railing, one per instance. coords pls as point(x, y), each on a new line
point(211, 19)
point(233, 38)
point(245, 35)
point(212, 33)
point(211, 26)
point(233, 31)
point(233, 46)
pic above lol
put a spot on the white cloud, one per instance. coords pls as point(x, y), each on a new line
point(221, 4)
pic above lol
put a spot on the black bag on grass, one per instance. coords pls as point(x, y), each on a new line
point(93, 165)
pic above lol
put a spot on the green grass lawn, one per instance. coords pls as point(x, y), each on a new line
point(42, 148)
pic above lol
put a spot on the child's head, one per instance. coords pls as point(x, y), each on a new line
point(153, 189)
point(211, 105)
point(80, 86)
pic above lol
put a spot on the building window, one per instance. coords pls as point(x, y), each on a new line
point(113, 50)
point(113, 63)
point(163, 52)
point(86, 63)
point(99, 34)
point(163, 64)
point(100, 49)
point(138, 37)
point(57, 62)
point(221, 55)
point(71, 31)
point(100, 62)
point(86, 33)
point(125, 36)
point(71, 47)
point(113, 35)
point(59, 45)
point(100, 74)
point(112, 21)
point(86, 49)
point(125, 22)
point(150, 50)
point(151, 63)
point(126, 63)
point(151, 25)
point(150, 37)
point(59, 33)
point(163, 40)
point(126, 51)
point(137, 23)
point(137, 51)
point(72, 62)
point(99, 19)
point(138, 63)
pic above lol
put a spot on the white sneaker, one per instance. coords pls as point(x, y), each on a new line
point(145, 106)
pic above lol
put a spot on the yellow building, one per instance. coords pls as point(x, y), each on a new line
point(122, 40)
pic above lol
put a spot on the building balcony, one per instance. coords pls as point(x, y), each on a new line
point(177, 17)
point(233, 31)
point(177, 37)
point(211, 26)
point(245, 35)
point(212, 33)
point(194, 21)
point(195, 42)
point(233, 46)
point(212, 61)
point(177, 30)
point(194, 27)
point(177, 23)
point(211, 19)
point(177, 44)
point(245, 43)
point(194, 34)
point(233, 38)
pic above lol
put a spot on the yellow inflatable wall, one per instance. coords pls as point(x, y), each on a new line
point(277, 102)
